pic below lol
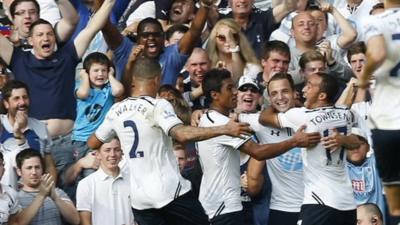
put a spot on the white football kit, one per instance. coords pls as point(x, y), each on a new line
point(285, 171)
point(326, 181)
point(385, 109)
point(142, 124)
point(219, 157)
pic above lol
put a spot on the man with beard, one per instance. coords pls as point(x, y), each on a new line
point(20, 131)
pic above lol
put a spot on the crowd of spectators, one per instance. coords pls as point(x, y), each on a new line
point(64, 63)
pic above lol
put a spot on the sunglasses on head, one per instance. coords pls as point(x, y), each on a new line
point(222, 38)
point(246, 88)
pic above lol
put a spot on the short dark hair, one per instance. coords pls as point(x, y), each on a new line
point(213, 81)
point(378, 5)
point(282, 76)
point(27, 154)
point(10, 86)
point(96, 57)
point(169, 88)
point(310, 56)
point(1, 156)
point(143, 68)
point(180, 28)
point(356, 48)
point(317, 8)
point(329, 85)
point(15, 3)
point(146, 21)
point(39, 22)
point(275, 46)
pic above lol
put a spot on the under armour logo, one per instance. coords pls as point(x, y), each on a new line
point(276, 132)
point(258, 38)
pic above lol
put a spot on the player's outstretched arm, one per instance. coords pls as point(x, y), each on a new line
point(267, 151)
point(233, 128)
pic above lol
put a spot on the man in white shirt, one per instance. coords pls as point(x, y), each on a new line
point(382, 36)
point(145, 125)
point(328, 194)
point(285, 171)
point(220, 186)
point(106, 188)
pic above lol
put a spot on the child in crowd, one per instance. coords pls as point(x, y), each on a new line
point(95, 93)
point(367, 187)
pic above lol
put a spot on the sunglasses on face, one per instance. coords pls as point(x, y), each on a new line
point(248, 88)
point(148, 34)
point(223, 38)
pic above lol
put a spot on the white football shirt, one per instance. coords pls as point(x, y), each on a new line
point(326, 181)
point(385, 109)
point(285, 171)
point(219, 157)
point(142, 125)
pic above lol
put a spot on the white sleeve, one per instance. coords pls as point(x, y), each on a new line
point(14, 206)
point(83, 202)
point(372, 28)
point(105, 132)
point(293, 118)
point(252, 119)
point(164, 115)
point(233, 142)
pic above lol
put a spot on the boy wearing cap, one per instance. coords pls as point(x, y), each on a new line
point(367, 187)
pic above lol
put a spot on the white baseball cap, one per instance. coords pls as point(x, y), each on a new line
point(244, 80)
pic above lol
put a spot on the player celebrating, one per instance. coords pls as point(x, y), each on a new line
point(328, 195)
point(159, 194)
point(383, 60)
point(220, 185)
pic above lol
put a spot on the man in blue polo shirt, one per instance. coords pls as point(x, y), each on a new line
point(50, 75)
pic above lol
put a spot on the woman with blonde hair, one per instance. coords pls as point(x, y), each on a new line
point(229, 48)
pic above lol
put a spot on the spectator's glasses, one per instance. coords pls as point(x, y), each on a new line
point(222, 38)
point(148, 34)
point(248, 88)
point(30, 12)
